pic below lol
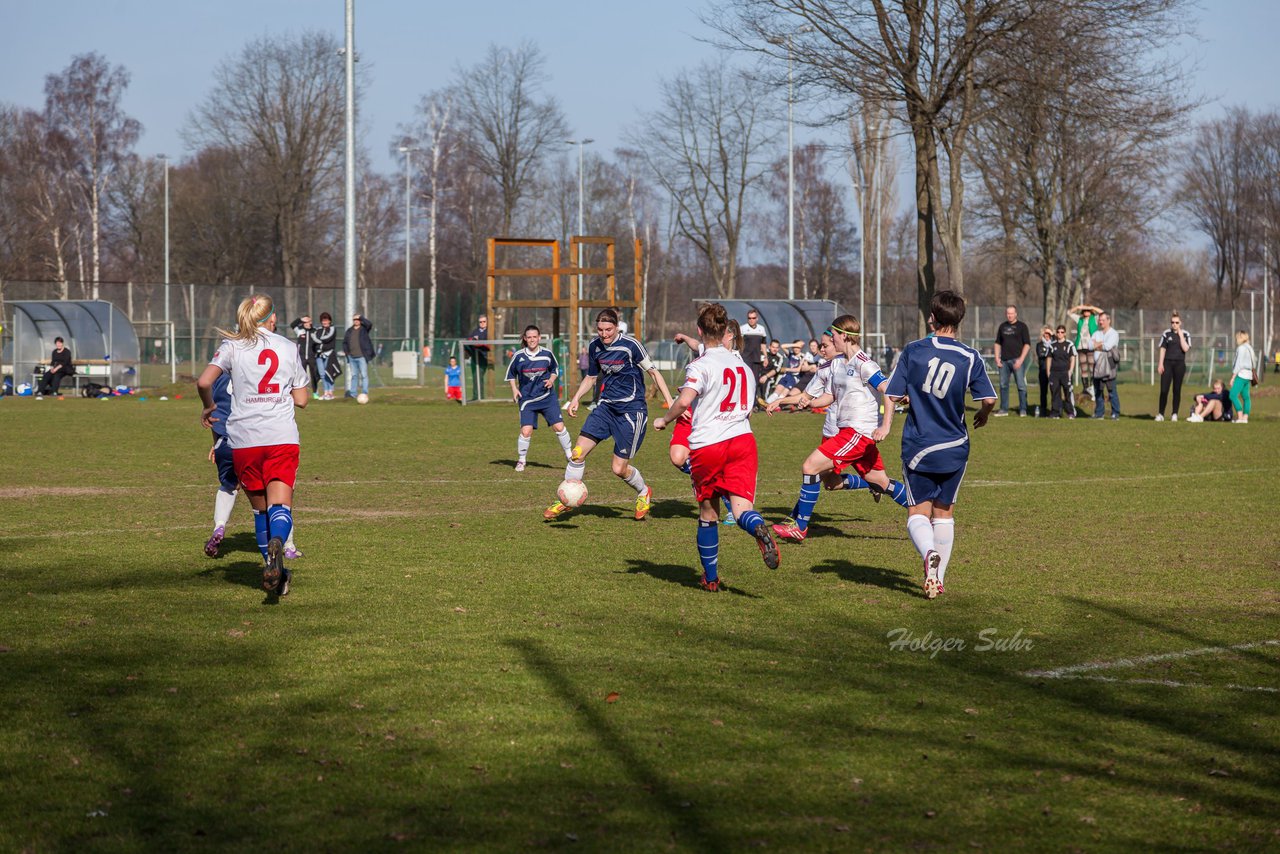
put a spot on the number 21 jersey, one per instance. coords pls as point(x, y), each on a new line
point(263, 373)
point(726, 393)
point(934, 373)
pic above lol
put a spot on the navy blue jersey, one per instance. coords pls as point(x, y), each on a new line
point(221, 403)
point(934, 373)
point(531, 372)
point(619, 363)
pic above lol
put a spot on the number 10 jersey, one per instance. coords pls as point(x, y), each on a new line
point(934, 373)
point(726, 390)
point(263, 373)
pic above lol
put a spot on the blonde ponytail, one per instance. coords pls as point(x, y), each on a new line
point(251, 314)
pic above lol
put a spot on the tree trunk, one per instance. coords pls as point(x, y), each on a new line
point(926, 169)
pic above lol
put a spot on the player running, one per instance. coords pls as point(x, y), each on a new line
point(853, 387)
point(268, 381)
point(723, 448)
point(224, 500)
point(679, 448)
point(532, 374)
point(935, 444)
point(621, 411)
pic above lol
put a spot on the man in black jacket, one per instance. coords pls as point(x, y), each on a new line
point(307, 347)
point(60, 367)
point(359, 349)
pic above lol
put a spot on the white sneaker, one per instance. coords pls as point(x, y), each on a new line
point(1173, 417)
point(520, 465)
point(1161, 418)
point(1194, 419)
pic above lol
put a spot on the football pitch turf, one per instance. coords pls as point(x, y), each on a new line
point(449, 671)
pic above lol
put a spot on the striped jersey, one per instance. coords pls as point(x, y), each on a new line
point(619, 364)
point(934, 373)
point(820, 385)
point(531, 370)
point(856, 400)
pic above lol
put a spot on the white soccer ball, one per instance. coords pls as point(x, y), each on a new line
point(572, 493)
point(362, 398)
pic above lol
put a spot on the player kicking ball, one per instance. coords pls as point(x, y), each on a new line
point(935, 443)
point(853, 389)
point(532, 374)
point(721, 389)
point(621, 410)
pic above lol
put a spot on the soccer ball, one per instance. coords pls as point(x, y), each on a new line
point(572, 493)
point(362, 398)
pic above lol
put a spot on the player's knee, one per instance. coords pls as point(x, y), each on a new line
point(526, 432)
point(621, 468)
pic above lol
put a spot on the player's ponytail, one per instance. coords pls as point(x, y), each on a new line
point(713, 320)
point(253, 311)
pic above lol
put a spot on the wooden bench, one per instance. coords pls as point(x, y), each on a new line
point(86, 369)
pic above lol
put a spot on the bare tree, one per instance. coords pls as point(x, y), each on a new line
point(82, 105)
point(708, 146)
point(825, 239)
point(279, 105)
point(432, 133)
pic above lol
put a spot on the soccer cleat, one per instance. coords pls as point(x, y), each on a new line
point(729, 520)
point(875, 491)
point(520, 465)
point(555, 510)
point(286, 576)
point(789, 530)
point(768, 548)
point(709, 586)
point(644, 501)
point(274, 567)
point(211, 547)
point(932, 561)
point(292, 552)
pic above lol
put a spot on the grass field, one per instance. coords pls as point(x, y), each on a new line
point(450, 671)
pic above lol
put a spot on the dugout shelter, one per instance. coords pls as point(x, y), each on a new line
point(96, 332)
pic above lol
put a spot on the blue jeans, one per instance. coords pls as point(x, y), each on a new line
point(357, 375)
point(1006, 368)
point(322, 363)
point(1099, 405)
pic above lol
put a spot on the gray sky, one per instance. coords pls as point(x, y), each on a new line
point(603, 57)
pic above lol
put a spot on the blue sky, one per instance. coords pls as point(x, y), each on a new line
point(604, 58)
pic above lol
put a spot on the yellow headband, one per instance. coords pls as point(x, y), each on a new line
point(834, 328)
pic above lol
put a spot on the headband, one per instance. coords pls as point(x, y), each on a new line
point(834, 328)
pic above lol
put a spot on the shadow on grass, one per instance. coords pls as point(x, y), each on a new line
point(528, 464)
point(690, 823)
point(875, 576)
point(682, 575)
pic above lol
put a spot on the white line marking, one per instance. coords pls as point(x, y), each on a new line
point(1169, 683)
point(1061, 672)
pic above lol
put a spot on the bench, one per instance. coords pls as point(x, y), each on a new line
point(86, 369)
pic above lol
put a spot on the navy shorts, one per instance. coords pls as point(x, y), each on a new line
point(627, 429)
point(226, 470)
point(549, 409)
point(938, 487)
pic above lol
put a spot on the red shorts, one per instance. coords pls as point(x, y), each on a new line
point(256, 467)
point(726, 468)
point(453, 392)
point(680, 431)
point(849, 447)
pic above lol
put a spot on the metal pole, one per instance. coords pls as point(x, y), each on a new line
point(875, 195)
point(582, 144)
point(349, 265)
point(408, 168)
point(862, 250)
point(192, 292)
point(173, 359)
point(791, 184)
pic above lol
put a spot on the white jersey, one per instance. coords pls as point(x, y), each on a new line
point(820, 385)
point(263, 373)
point(726, 394)
point(857, 403)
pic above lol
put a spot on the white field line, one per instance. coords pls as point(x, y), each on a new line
point(1169, 683)
point(1089, 670)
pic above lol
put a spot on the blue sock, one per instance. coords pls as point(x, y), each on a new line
point(853, 481)
point(728, 508)
point(709, 548)
point(687, 467)
point(748, 521)
point(810, 489)
point(281, 518)
point(898, 492)
point(260, 529)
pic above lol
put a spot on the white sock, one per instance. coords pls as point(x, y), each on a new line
point(575, 471)
point(563, 436)
point(635, 480)
point(921, 532)
point(522, 446)
point(944, 537)
point(223, 502)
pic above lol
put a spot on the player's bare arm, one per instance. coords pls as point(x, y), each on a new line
point(583, 387)
point(984, 410)
point(676, 409)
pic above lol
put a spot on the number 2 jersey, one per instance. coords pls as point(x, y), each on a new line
point(726, 390)
point(264, 372)
point(934, 373)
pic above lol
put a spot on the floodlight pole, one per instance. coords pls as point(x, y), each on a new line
point(875, 194)
point(173, 362)
point(791, 167)
point(407, 150)
point(349, 236)
point(582, 146)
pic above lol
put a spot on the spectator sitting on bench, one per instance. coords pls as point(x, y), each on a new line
point(60, 367)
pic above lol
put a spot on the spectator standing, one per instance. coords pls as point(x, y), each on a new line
point(1242, 377)
point(772, 370)
point(1085, 317)
point(359, 349)
point(303, 329)
point(325, 341)
point(1013, 343)
point(479, 354)
point(1106, 362)
point(1062, 361)
point(1043, 346)
point(754, 336)
point(1174, 344)
point(60, 368)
